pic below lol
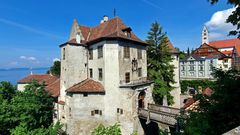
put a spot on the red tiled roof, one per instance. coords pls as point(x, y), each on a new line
point(54, 88)
point(171, 47)
point(87, 85)
point(112, 28)
point(188, 103)
point(227, 53)
point(52, 82)
point(40, 78)
point(208, 51)
point(228, 43)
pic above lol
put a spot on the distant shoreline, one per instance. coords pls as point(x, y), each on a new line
point(14, 74)
point(19, 69)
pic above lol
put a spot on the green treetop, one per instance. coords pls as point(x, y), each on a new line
point(159, 68)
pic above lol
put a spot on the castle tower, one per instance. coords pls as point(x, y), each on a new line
point(205, 35)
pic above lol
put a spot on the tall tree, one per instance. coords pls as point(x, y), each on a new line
point(55, 69)
point(188, 51)
point(234, 18)
point(159, 68)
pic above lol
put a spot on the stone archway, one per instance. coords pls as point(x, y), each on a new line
point(141, 97)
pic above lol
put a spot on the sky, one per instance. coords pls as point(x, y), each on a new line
point(32, 30)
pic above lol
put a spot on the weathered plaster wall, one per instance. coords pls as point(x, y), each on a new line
point(176, 91)
point(125, 64)
point(73, 68)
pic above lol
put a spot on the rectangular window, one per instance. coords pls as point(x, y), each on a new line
point(191, 68)
point(92, 113)
point(127, 77)
point(96, 111)
point(139, 72)
point(100, 51)
point(191, 62)
point(90, 73)
point(183, 68)
point(100, 74)
point(63, 57)
point(201, 68)
point(90, 54)
point(139, 53)
point(119, 111)
point(210, 67)
point(85, 94)
point(126, 52)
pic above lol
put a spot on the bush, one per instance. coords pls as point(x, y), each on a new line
point(195, 84)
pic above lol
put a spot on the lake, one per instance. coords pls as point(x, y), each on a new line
point(13, 75)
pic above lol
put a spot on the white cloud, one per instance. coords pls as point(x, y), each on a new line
point(31, 58)
point(217, 24)
point(22, 57)
point(215, 35)
point(56, 59)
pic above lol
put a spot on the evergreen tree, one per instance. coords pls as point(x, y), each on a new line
point(159, 68)
point(188, 51)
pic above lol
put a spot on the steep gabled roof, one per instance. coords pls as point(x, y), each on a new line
point(208, 51)
point(87, 86)
point(113, 28)
point(52, 83)
point(228, 43)
point(171, 47)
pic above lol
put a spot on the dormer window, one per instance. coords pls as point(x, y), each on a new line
point(127, 32)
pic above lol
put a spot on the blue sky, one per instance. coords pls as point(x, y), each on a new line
point(31, 30)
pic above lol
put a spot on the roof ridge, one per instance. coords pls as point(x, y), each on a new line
point(224, 40)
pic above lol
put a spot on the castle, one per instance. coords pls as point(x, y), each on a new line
point(104, 78)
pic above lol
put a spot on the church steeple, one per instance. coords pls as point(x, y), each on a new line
point(205, 35)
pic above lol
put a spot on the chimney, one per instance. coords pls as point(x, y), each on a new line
point(105, 19)
point(78, 38)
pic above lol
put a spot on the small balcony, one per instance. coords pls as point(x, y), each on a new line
point(135, 83)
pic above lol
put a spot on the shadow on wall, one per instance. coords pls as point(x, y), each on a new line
point(151, 128)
